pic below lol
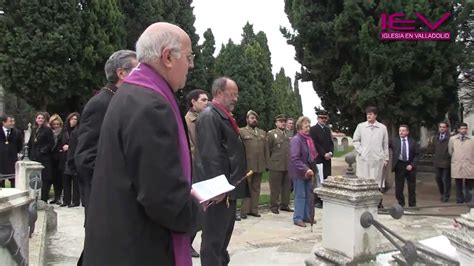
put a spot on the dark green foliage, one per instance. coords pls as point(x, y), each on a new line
point(138, 16)
point(207, 59)
point(40, 51)
point(337, 43)
point(103, 33)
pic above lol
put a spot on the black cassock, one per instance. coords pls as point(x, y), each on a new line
point(139, 194)
point(10, 146)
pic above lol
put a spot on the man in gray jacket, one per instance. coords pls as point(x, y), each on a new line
point(442, 161)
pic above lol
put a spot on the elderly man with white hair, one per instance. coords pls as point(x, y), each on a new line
point(140, 209)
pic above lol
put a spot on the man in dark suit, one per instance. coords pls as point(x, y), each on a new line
point(405, 158)
point(322, 138)
point(116, 69)
point(442, 161)
point(11, 142)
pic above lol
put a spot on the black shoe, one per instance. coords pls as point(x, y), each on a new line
point(275, 211)
point(318, 205)
point(286, 209)
point(459, 201)
point(72, 205)
point(380, 206)
point(254, 214)
point(237, 217)
point(444, 199)
point(194, 253)
point(63, 205)
point(53, 202)
point(243, 216)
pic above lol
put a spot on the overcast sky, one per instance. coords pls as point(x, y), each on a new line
point(226, 18)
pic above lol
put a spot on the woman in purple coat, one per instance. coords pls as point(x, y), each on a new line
point(301, 159)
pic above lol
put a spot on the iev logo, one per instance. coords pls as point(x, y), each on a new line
point(395, 27)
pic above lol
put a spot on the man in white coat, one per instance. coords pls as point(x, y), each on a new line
point(371, 145)
point(461, 149)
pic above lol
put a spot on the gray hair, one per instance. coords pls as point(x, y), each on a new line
point(150, 44)
point(120, 59)
point(219, 85)
point(300, 121)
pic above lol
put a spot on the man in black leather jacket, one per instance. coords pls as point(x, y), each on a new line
point(220, 151)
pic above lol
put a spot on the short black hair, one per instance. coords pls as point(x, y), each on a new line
point(194, 95)
point(405, 126)
point(443, 122)
point(462, 125)
point(5, 117)
point(371, 109)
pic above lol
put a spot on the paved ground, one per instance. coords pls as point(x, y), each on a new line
point(273, 239)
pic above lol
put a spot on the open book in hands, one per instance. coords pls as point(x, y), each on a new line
point(206, 191)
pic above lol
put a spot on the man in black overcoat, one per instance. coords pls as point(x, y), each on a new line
point(11, 143)
point(322, 138)
point(220, 151)
point(116, 69)
point(140, 206)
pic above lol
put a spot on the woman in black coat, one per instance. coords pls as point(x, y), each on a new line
point(69, 176)
point(57, 163)
point(39, 149)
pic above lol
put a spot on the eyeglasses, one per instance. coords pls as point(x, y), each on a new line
point(189, 57)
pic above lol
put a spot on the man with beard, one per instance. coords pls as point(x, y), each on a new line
point(220, 151)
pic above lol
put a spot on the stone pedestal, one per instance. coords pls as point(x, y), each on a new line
point(462, 238)
point(345, 241)
point(14, 215)
point(25, 171)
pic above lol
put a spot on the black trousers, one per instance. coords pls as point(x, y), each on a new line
point(70, 184)
point(468, 187)
point(57, 177)
point(45, 188)
point(216, 233)
point(443, 179)
point(401, 173)
point(326, 168)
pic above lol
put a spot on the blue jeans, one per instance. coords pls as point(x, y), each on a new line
point(302, 190)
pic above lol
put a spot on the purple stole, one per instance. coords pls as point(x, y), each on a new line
point(145, 76)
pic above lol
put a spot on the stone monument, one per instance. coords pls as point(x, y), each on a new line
point(462, 238)
point(344, 240)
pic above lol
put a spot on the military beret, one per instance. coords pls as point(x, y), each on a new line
point(280, 117)
point(322, 112)
point(252, 112)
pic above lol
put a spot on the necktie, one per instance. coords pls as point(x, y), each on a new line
point(404, 150)
point(8, 132)
point(441, 137)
